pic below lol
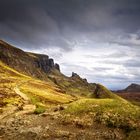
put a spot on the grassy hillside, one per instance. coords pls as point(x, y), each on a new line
point(45, 92)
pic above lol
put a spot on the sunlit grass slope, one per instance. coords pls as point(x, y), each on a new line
point(39, 92)
point(45, 92)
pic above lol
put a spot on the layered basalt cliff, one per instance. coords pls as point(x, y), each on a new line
point(44, 62)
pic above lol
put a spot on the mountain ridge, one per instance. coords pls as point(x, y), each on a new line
point(42, 67)
point(32, 64)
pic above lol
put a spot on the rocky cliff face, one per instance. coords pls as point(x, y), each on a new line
point(45, 63)
point(29, 63)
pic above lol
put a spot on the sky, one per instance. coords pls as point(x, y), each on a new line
point(98, 39)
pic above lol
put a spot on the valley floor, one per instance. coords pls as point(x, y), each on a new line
point(133, 97)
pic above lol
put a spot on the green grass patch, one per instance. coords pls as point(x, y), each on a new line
point(39, 109)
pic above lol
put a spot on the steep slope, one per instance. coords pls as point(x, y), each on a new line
point(35, 65)
point(102, 92)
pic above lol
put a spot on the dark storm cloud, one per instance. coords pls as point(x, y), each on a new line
point(56, 23)
point(31, 24)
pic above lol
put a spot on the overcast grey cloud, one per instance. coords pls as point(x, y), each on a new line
point(99, 39)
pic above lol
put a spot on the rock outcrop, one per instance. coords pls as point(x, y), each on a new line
point(57, 66)
point(75, 75)
point(45, 63)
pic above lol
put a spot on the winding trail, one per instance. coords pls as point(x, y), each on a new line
point(24, 96)
point(27, 107)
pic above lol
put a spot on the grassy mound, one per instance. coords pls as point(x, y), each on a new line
point(111, 112)
point(102, 92)
point(39, 109)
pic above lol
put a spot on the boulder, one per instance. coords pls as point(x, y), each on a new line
point(75, 74)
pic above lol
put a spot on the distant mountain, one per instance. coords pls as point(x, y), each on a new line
point(131, 93)
point(131, 88)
